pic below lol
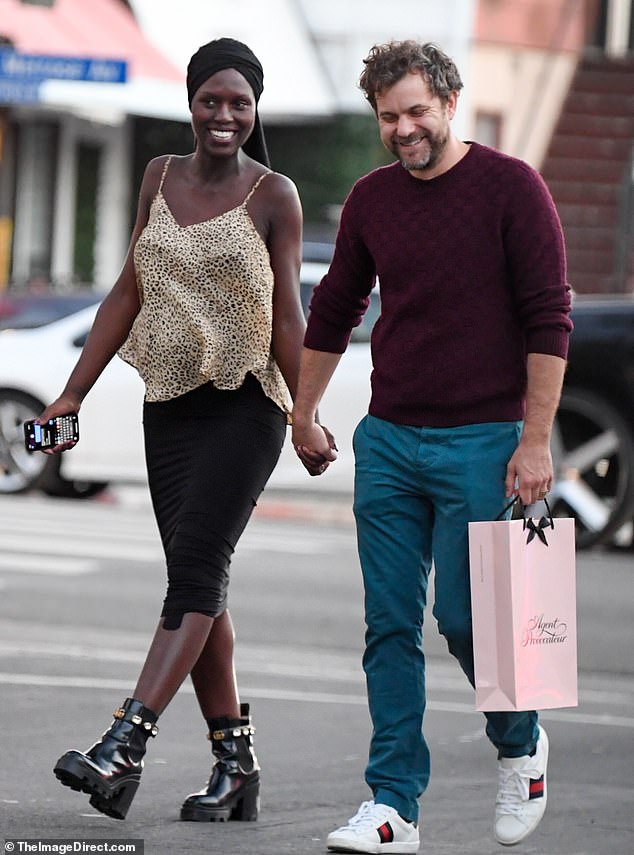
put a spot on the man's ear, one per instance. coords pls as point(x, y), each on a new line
point(452, 104)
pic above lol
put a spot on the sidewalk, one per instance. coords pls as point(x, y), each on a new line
point(303, 506)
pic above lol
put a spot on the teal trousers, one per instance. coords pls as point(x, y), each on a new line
point(416, 489)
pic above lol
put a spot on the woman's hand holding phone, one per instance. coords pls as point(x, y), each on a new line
point(56, 429)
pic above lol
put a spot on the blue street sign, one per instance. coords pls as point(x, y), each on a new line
point(19, 92)
point(38, 67)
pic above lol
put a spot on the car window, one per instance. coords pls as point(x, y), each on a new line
point(27, 311)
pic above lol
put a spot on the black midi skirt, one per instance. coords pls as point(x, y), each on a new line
point(209, 454)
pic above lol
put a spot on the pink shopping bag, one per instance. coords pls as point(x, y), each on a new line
point(523, 598)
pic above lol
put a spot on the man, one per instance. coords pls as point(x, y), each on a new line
point(468, 362)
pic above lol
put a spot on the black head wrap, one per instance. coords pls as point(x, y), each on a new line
point(229, 53)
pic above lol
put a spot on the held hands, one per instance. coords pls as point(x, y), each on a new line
point(315, 446)
point(529, 472)
point(64, 404)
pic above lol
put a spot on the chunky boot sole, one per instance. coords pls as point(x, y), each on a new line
point(244, 807)
point(73, 771)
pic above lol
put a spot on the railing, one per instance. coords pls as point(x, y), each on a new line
point(624, 243)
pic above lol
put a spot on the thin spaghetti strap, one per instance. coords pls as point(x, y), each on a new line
point(255, 186)
point(165, 165)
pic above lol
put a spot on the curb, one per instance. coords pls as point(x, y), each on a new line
point(282, 506)
point(326, 511)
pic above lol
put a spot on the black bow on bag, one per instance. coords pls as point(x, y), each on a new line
point(534, 528)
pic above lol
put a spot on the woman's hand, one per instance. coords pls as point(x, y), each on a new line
point(66, 403)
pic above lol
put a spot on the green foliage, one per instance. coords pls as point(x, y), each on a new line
point(152, 138)
point(326, 159)
point(86, 218)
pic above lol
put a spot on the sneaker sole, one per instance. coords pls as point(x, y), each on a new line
point(375, 849)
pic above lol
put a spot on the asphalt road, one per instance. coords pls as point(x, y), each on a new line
point(81, 585)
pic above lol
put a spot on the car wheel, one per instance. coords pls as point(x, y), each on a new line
point(593, 457)
point(20, 469)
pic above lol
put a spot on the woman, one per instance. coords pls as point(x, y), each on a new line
point(207, 309)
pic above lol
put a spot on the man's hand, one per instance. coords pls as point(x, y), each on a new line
point(529, 472)
point(313, 443)
point(315, 446)
point(530, 469)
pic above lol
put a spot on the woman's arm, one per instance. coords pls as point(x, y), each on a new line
point(285, 251)
point(113, 319)
point(289, 325)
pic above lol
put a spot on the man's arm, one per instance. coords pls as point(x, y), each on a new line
point(312, 444)
point(530, 470)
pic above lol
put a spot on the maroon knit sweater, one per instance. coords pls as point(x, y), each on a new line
point(472, 276)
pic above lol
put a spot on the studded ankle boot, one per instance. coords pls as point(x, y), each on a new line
point(233, 791)
point(110, 771)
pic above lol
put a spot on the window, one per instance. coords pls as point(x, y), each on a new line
point(488, 129)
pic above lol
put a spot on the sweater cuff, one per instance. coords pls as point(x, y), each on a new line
point(325, 337)
point(549, 341)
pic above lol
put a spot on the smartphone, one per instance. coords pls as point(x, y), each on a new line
point(62, 429)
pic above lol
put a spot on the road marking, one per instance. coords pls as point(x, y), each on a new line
point(94, 532)
point(20, 641)
point(23, 563)
point(15, 549)
point(67, 545)
point(19, 552)
point(48, 681)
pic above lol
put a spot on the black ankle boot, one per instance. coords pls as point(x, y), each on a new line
point(233, 791)
point(110, 771)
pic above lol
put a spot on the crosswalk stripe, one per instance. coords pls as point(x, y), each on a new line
point(20, 563)
point(70, 535)
point(273, 662)
point(80, 529)
point(565, 716)
point(14, 551)
point(68, 545)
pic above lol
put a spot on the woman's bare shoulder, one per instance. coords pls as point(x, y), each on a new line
point(278, 187)
point(156, 167)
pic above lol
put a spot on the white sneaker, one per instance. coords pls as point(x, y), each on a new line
point(521, 799)
point(375, 829)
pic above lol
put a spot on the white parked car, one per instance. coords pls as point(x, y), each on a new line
point(34, 365)
point(592, 446)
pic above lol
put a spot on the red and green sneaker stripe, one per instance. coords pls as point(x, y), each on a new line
point(385, 832)
point(536, 788)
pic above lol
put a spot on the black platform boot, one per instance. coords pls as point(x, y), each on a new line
point(110, 771)
point(233, 791)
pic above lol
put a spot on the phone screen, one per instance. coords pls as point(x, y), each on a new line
point(38, 437)
point(37, 434)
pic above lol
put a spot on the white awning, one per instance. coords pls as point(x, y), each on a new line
point(99, 29)
point(110, 102)
point(295, 86)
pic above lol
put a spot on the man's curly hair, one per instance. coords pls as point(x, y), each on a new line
point(386, 64)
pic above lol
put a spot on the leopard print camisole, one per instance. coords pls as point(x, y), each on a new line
point(206, 313)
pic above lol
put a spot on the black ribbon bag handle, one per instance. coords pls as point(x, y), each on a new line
point(534, 528)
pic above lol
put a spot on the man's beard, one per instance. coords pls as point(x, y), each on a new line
point(436, 147)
